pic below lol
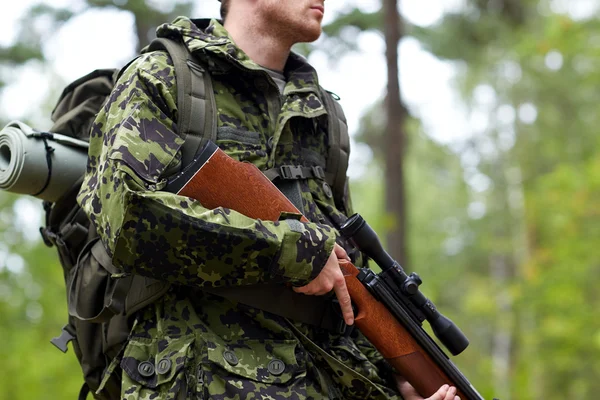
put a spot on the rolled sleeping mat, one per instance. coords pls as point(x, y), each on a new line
point(41, 164)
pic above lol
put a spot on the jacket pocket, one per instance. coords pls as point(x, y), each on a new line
point(156, 368)
point(242, 145)
point(268, 367)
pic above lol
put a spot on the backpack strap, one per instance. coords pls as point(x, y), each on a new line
point(337, 157)
point(339, 148)
point(291, 172)
point(196, 121)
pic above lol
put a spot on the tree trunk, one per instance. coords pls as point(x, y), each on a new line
point(501, 271)
point(142, 30)
point(395, 138)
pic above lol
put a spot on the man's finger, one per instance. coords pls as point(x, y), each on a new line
point(340, 252)
point(409, 392)
point(341, 292)
point(440, 394)
point(451, 394)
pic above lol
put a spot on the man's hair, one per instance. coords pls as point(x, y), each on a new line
point(224, 9)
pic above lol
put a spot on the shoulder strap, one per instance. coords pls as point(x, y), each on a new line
point(339, 148)
point(195, 98)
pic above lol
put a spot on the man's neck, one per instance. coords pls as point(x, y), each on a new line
point(261, 45)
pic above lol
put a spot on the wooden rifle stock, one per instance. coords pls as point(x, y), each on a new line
point(217, 180)
point(392, 340)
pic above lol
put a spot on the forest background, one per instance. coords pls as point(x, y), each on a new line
point(501, 174)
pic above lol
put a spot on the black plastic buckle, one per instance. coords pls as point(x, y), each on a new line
point(48, 237)
point(66, 335)
point(291, 172)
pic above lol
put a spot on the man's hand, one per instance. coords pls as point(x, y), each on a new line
point(331, 278)
point(409, 393)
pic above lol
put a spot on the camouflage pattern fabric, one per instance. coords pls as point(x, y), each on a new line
point(190, 344)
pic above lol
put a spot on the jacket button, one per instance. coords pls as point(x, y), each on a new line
point(231, 358)
point(163, 366)
point(146, 369)
point(276, 367)
point(327, 190)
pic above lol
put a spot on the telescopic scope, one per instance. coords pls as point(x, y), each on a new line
point(364, 238)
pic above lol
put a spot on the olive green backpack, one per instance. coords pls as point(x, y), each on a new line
point(101, 307)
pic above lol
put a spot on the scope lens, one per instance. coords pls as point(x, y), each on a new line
point(352, 225)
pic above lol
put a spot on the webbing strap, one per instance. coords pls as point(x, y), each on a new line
point(348, 375)
point(49, 150)
point(281, 300)
point(339, 148)
point(195, 98)
point(83, 392)
point(295, 172)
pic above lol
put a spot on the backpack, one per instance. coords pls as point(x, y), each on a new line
point(101, 303)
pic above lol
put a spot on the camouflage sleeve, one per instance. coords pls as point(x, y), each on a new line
point(170, 237)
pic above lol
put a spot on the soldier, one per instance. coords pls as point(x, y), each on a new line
point(192, 343)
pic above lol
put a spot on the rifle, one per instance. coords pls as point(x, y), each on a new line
point(391, 308)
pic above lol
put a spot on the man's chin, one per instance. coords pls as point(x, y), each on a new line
point(300, 34)
point(310, 35)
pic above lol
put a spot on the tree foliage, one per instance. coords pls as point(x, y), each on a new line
point(517, 268)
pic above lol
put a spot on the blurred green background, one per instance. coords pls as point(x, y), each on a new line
point(502, 185)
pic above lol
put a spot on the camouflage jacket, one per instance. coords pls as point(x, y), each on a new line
point(191, 344)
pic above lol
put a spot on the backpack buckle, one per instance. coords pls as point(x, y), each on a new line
point(291, 172)
point(66, 335)
point(48, 236)
point(318, 172)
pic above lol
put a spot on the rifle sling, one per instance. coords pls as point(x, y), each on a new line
point(374, 392)
point(278, 299)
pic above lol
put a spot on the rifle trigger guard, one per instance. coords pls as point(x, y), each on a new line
point(342, 328)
